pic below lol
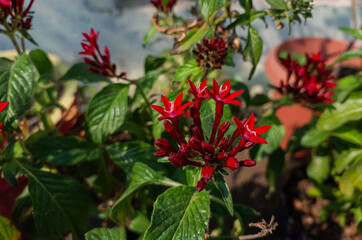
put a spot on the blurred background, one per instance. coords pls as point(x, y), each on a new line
point(122, 24)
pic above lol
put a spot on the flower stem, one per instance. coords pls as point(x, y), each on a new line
point(219, 110)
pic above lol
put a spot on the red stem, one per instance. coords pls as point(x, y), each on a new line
point(218, 114)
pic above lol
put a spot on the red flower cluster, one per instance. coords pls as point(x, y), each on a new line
point(100, 63)
point(2, 132)
point(218, 151)
point(311, 83)
point(211, 53)
point(20, 18)
point(159, 4)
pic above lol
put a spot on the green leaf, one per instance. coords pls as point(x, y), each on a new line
point(193, 36)
point(8, 231)
point(80, 72)
point(319, 167)
point(223, 188)
point(273, 136)
point(350, 110)
point(345, 86)
point(275, 167)
point(139, 224)
point(246, 4)
point(105, 234)
point(314, 137)
point(356, 53)
point(208, 7)
point(245, 214)
point(9, 170)
point(106, 112)
point(60, 204)
point(179, 213)
point(277, 4)
point(126, 154)
point(151, 32)
point(348, 134)
point(152, 62)
point(64, 150)
point(347, 158)
point(253, 48)
point(246, 18)
point(351, 180)
point(357, 33)
point(27, 36)
point(43, 65)
point(189, 68)
point(142, 175)
point(16, 86)
point(259, 100)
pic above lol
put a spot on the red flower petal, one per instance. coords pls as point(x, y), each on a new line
point(207, 172)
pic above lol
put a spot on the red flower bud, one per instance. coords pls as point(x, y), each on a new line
point(195, 143)
point(201, 185)
point(207, 147)
point(185, 150)
point(196, 132)
point(224, 143)
point(160, 153)
point(177, 160)
point(207, 172)
point(232, 163)
point(222, 156)
point(247, 163)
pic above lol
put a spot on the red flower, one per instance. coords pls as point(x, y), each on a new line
point(222, 94)
point(211, 53)
point(172, 109)
point(199, 92)
point(159, 4)
point(5, 2)
point(248, 132)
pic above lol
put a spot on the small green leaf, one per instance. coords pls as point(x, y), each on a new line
point(357, 33)
point(347, 158)
point(245, 214)
point(152, 62)
point(350, 110)
point(139, 224)
point(223, 188)
point(151, 32)
point(142, 175)
point(9, 170)
point(208, 7)
point(253, 48)
point(275, 167)
point(43, 65)
point(64, 150)
point(314, 137)
point(16, 86)
point(80, 72)
point(319, 167)
point(246, 18)
point(348, 134)
point(351, 180)
point(189, 68)
point(237, 86)
point(277, 4)
point(126, 154)
point(8, 231)
point(105, 234)
point(106, 112)
point(179, 213)
point(27, 36)
point(352, 54)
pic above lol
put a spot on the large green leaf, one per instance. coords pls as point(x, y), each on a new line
point(189, 68)
point(208, 7)
point(277, 4)
point(8, 231)
point(347, 158)
point(43, 65)
point(351, 180)
point(80, 72)
point(126, 154)
point(314, 137)
point(350, 110)
point(105, 234)
point(60, 204)
point(348, 134)
point(356, 53)
point(16, 86)
point(64, 150)
point(142, 175)
point(273, 136)
point(106, 112)
point(253, 48)
point(179, 213)
point(223, 188)
point(246, 18)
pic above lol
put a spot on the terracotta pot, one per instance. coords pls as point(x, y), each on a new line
point(293, 117)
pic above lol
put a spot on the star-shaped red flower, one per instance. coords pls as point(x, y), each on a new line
point(172, 109)
point(199, 92)
point(248, 132)
point(222, 94)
